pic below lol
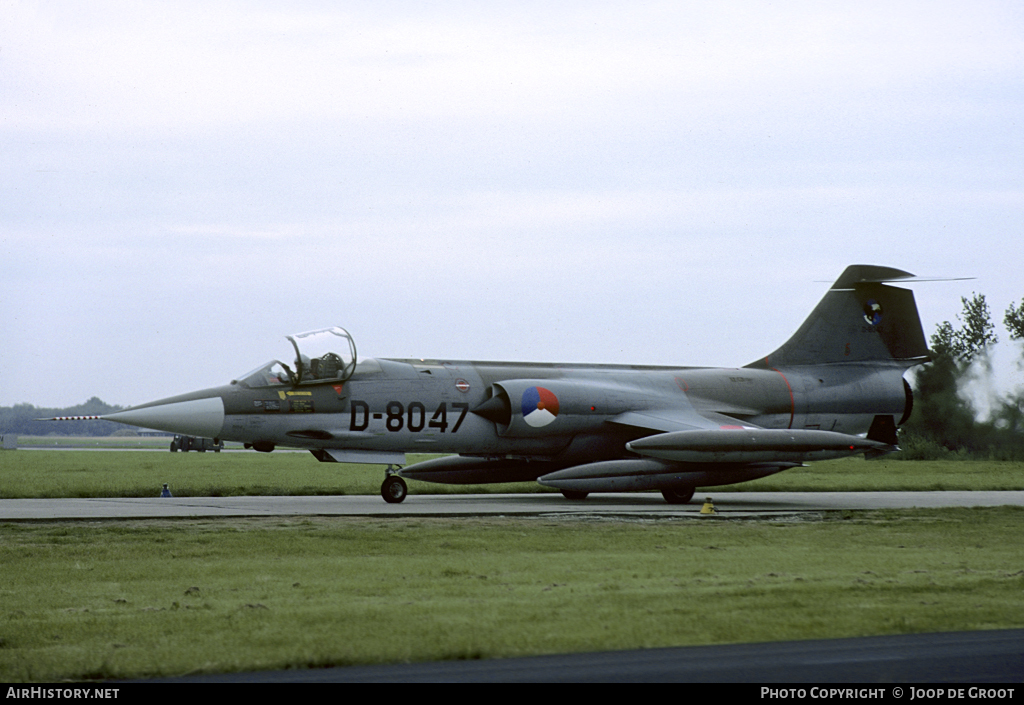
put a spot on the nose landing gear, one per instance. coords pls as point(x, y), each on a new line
point(394, 489)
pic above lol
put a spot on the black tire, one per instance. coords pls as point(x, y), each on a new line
point(679, 496)
point(574, 494)
point(394, 489)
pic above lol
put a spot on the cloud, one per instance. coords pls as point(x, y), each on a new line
point(185, 183)
point(182, 66)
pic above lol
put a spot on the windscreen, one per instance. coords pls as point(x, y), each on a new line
point(272, 374)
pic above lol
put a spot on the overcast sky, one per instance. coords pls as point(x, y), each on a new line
point(183, 184)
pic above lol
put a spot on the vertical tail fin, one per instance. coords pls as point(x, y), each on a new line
point(860, 319)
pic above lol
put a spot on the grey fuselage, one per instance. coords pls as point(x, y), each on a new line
point(834, 388)
point(429, 406)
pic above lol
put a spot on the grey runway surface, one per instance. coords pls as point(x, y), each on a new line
point(953, 657)
point(651, 505)
point(971, 657)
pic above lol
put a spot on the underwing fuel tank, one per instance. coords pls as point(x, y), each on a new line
point(640, 474)
point(468, 470)
point(753, 445)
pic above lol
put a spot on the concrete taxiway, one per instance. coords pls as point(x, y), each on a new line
point(954, 657)
point(986, 657)
point(649, 505)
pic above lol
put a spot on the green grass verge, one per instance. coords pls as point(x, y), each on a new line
point(70, 473)
point(36, 473)
point(161, 442)
point(119, 599)
point(859, 475)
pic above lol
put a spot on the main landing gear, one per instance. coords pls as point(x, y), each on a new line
point(394, 489)
point(574, 494)
point(679, 496)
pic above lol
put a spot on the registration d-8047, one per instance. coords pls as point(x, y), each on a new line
point(412, 416)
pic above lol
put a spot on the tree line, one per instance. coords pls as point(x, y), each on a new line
point(944, 422)
point(23, 419)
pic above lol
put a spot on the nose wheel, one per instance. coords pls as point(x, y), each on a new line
point(394, 488)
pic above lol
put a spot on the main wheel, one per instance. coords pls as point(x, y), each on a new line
point(394, 489)
point(574, 494)
point(682, 496)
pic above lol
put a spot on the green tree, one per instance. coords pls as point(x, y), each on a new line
point(942, 419)
point(24, 419)
point(1014, 321)
point(976, 333)
point(1010, 415)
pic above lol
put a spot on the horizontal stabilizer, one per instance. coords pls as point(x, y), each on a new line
point(879, 275)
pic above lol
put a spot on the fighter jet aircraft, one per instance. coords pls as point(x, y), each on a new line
point(834, 389)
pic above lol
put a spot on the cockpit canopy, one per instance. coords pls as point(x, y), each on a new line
point(327, 355)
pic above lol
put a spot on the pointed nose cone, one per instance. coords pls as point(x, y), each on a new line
point(194, 417)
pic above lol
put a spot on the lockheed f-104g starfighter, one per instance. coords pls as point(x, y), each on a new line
point(834, 389)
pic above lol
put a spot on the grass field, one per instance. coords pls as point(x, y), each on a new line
point(70, 473)
point(147, 598)
point(161, 442)
point(118, 599)
point(83, 473)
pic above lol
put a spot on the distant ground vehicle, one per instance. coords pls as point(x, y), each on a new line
point(187, 443)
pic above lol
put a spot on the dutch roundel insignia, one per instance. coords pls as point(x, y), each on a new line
point(540, 406)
